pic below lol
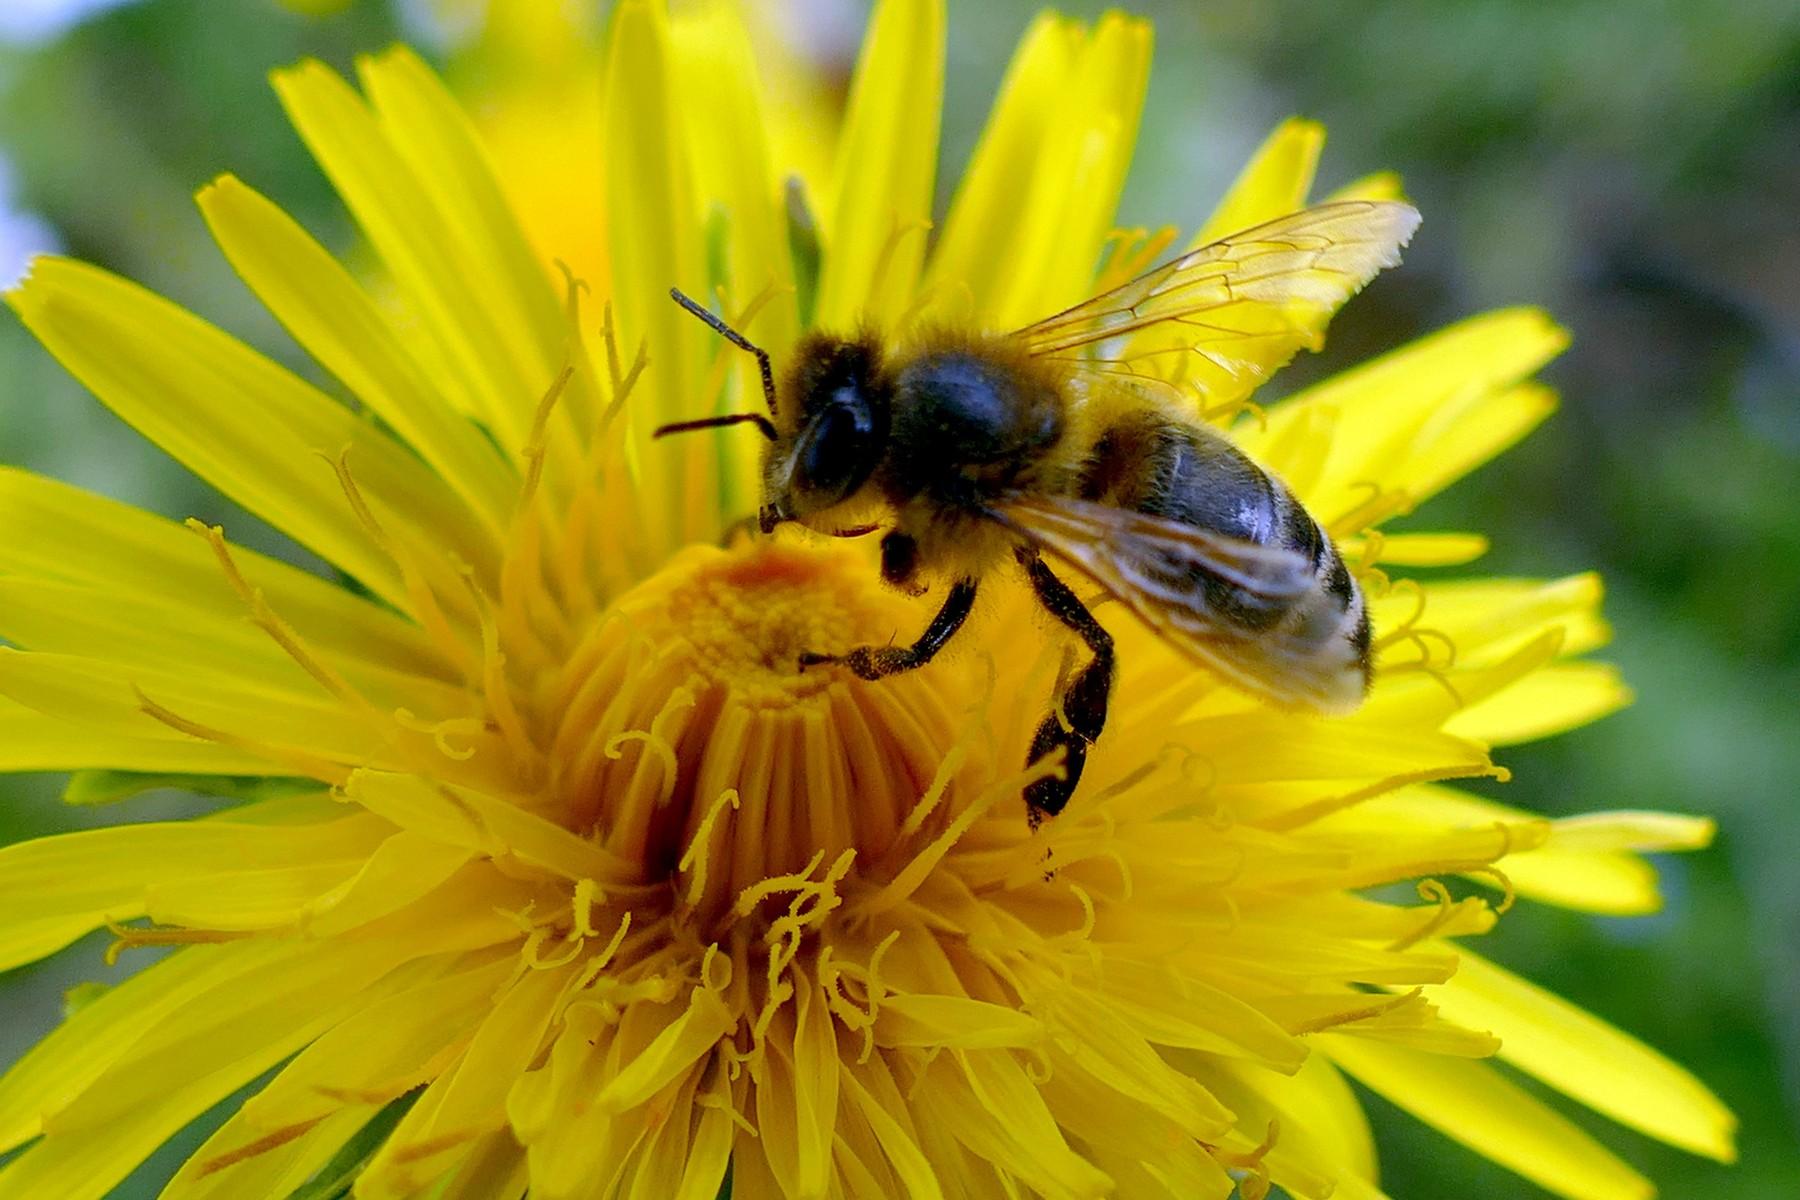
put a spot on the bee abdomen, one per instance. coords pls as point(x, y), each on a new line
point(1197, 477)
point(1329, 624)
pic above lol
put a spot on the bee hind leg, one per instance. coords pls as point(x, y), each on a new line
point(1081, 709)
point(878, 662)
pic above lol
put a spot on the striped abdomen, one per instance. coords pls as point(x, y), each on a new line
point(1312, 647)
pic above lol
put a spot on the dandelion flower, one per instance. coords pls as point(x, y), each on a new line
point(576, 884)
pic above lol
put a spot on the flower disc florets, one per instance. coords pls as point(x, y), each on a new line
point(690, 740)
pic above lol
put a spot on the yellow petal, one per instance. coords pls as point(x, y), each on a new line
point(433, 136)
point(860, 1165)
point(726, 134)
point(1616, 882)
point(1551, 700)
point(662, 1159)
point(74, 1054)
point(478, 364)
point(1170, 1008)
point(402, 869)
point(279, 1170)
point(1405, 1020)
point(494, 1168)
point(1272, 184)
point(1080, 172)
point(1086, 1039)
point(989, 1103)
point(575, 1151)
point(245, 425)
point(1301, 961)
point(1329, 751)
point(188, 1062)
point(1039, 196)
point(1144, 1150)
point(32, 741)
point(58, 532)
point(670, 1054)
point(881, 205)
point(750, 1171)
point(1386, 406)
point(1466, 436)
point(349, 1073)
point(1633, 830)
point(972, 250)
point(164, 634)
point(1584, 1057)
point(1297, 454)
point(818, 1068)
point(807, 1109)
point(337, 323)
point(244, 899)
point(1422, 549)
point(467, 818)
point(653, 246)
point(1491, 618)
point(296, 736)
point(531, 81)
point(470, 1099)
point(1617, 885)
point(916, 1019)
point(53, 890)
point(1322, 1126)
point(1382, 185)
point(864, 1089)
point(1476, 1105)
point(1588, 863)
point(1406, 696)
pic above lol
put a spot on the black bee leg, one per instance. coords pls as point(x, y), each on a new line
point(1083, 700)
point(878, 662)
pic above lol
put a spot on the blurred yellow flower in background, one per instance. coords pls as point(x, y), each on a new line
point(530, 76)
point(576, 884)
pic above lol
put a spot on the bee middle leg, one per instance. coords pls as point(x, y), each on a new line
point(878, 662)
point(1081, 709)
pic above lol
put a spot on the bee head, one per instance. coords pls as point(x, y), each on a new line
point(835, 431)
point(829, 436)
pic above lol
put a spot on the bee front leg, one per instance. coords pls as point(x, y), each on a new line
point(1084, 698)
point(878, 662)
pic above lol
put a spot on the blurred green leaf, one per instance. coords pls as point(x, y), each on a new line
point(335, 1180)
point(110, 787)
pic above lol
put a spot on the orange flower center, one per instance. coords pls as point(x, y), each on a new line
point(690, 740)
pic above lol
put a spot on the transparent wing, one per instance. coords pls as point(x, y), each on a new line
point(1200, 592)
point(1225, 316)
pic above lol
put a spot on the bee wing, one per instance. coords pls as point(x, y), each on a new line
point(1244, 304)
point(1160, 570)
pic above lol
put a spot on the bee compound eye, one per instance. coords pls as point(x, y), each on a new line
point(837, 453)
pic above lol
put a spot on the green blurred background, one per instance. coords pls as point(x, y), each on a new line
point(1633, 165)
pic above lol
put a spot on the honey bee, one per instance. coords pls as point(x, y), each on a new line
point(969, 449)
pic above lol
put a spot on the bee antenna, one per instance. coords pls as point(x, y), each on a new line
point(763, 425)
point(735, 338)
